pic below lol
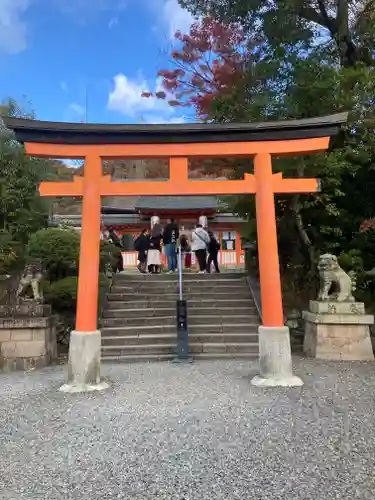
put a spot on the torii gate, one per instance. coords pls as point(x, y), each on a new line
point(93, 143)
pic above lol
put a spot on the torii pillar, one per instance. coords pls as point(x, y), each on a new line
point(102, 141)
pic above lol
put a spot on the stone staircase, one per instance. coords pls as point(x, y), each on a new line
point(139, 317)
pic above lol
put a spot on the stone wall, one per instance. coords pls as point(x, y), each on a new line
point(26, 342)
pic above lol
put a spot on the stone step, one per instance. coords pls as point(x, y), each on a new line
point(153, 285)
point(188, 276)
point(193, 319)
point(137, 358)
point(194, 348)
point(123, 312)
point(160, 303)
point(202, 294)
point(198, 291)
point(246, 328)
point(152, 358)
point(170, 338)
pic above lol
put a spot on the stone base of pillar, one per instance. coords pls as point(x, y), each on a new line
point(84, 363)
point(275, 359)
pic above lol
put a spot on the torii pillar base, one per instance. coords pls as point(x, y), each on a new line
point(275, 359)
point(84, 363)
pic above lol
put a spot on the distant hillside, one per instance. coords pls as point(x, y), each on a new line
point(119, 170)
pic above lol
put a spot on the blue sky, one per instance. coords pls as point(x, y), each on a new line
point(51, 51)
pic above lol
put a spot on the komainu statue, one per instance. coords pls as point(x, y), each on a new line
point(32, 276)
point(335, 283)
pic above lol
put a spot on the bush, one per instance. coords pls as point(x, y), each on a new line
point(62, 294)
point(58, 249)
point(10, 251)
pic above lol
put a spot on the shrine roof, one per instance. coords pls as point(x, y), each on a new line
point(176, 203)
point(84, 133)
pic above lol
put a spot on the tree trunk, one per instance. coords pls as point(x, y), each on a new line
point(296, 209)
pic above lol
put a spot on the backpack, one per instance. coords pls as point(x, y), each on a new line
point(214, 244)
point(136, 244)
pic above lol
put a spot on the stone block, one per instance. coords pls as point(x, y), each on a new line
point(340, 336)
point(26, 322)
point(5, 334)
point(25, 309)
point(24, 364)
point(21, 334)
point(23, 349)
point(330, 307)
point(338, 319)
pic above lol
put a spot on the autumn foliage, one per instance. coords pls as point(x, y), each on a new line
point(207, 63)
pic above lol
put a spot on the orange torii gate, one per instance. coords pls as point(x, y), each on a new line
point(93, 143)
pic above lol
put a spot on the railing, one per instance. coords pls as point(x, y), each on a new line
point(226, 258)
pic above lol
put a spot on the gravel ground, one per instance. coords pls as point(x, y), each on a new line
point(193, 432)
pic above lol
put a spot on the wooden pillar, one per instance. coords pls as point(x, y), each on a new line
point(270, 283)
point(88, 278)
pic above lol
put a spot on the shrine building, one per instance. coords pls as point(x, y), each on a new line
point(186, 211)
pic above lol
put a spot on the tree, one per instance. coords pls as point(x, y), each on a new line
point(208, 62)
point(298, 77)
point(348, 25)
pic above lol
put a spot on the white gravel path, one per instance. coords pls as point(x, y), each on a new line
point(191, 432)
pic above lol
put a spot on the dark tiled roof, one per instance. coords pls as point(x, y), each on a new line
point(92, 133)
point(176, 203)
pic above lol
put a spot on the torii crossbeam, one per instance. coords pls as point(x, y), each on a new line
point(93, 143)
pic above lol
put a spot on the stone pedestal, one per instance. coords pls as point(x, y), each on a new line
point(338, 331)
point(27, 336)
point(275, 359)
point(84, 363)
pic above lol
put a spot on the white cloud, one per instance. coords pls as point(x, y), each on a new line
point(175, 17)
point(170, 17)
point(113, 22)
point(154, 119)
point(76, 108)
point(126, 98)
point(86, 10)
point(13, 29)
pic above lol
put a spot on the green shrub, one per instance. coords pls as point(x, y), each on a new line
point(62, 294)
point(58, 249)
point(10, 253)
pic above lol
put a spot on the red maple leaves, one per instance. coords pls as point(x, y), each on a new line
point(209, 61)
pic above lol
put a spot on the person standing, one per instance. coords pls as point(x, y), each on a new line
point(186, 251)
point(170, 237)
point(199, 244)
point(154, 250)
point(213, 253)
point(141, 245)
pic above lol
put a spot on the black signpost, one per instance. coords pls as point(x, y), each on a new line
point(182, 350)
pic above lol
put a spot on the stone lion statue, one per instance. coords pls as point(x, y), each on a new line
point(335, 283)
point(32, 276)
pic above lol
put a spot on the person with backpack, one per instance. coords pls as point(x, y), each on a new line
point(141, 245)
point(199, 244)
point(213, 253)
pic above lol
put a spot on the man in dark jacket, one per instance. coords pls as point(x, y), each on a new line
point(141, 246)
point(170, 237)
point(213, 252)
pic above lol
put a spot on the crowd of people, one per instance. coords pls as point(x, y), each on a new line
point(202, 243)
